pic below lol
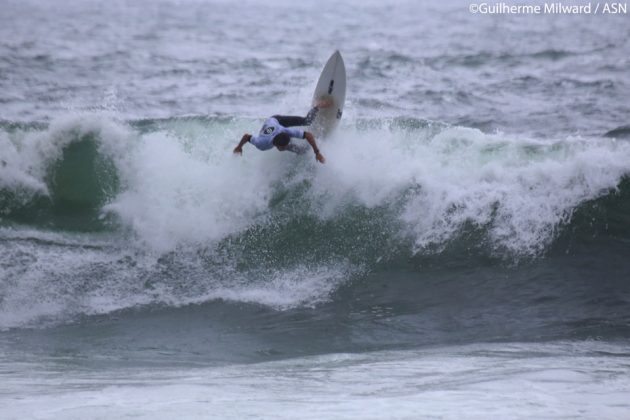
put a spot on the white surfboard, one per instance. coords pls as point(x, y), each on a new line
point(331, 85)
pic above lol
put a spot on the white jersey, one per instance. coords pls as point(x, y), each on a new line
point(269, 130)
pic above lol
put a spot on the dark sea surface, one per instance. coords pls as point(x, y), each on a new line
point(463, 253)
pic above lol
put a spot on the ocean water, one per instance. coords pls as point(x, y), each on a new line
point(463, 253)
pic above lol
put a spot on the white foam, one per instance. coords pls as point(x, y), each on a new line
point(520, 190)
point(14, 170)
point(286, 289)
point(174, 198)
point(43, 284)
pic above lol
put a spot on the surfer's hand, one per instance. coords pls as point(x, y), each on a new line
point(238, 150)
point(320, 158)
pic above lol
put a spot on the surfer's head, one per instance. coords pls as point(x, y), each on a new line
point(281, 140)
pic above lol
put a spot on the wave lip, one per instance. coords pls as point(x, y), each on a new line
point(63, 172)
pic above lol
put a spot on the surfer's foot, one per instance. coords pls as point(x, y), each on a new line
point(324, 103)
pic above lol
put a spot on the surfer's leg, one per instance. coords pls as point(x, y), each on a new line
point(290, 120)
point(322, 103)
point(311, 115)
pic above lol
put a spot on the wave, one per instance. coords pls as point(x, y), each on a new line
point(174, 181)
point(100, 215)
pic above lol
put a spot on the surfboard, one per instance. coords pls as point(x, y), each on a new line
point(331, 85)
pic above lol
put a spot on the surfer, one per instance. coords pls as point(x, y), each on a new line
point(277, 132)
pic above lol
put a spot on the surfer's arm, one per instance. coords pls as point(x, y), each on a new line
point(311, 140)
point(239, 149)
